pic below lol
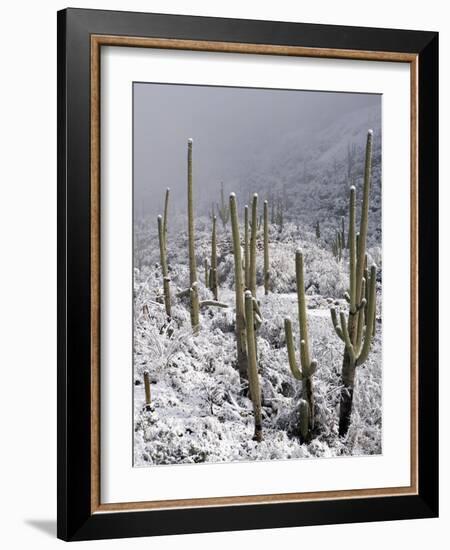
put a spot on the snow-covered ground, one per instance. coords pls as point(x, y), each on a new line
point(200, 411)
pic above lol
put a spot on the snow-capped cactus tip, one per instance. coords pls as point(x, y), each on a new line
point(353, 188)
point(370, 132)
point(159, 217)
point(255, 195)
point(248, 294)
point(232, 195)
point(299, 251)
point(266, 202)
point(190, 140)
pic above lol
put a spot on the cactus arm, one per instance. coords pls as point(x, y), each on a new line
point(345, 334)
point(370, 317)
point(291, 350)
point(183, 293)
point(335, 322)
point(266, 248)
point(255, 390)
point(252, 274)
point(191, 234)
point(212, 303)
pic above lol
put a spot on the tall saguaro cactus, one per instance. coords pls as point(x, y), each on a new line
point(253, 237)
point(255, 390)
point(246, 248)
point(223, 209)
point(308, 366)
point(193, 291)
point(164, 268)
point(166, 215)
point(239, 291)
point(357, 330)
point(213, 272)
point(266, 248)
point(190, 209)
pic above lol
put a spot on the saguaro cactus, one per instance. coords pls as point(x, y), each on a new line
point(317, 229)
point(246, 248)
point(213, 272)
point(223, 209)
point(239, 291)
point(166, 215)
point(266, 248)
point(190, 209)
point(308, 366)
point(195, 307)
point(207, 272)
point(255, 390)
point(253, 237)
point(193, 291)
point(280, 214)
point(148, 400)
point(164, 269)
point(357, 330)
point(343, 243)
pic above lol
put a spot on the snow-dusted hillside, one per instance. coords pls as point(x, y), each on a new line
point(200, 410)
point(313, 179)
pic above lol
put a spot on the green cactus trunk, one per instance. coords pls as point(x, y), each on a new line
point(252, 274)
point(191, 230)
point(214, 286)
point(195, 308)
point(164, 268)
point(246, 248)
point(308, 367)
point(241, 339)
point(148, 400)
point(207, 273)
point(223, 209)
point(357, 331)
point(266, 248)
point(166, 215)
point(193, 291)
point(255, 390)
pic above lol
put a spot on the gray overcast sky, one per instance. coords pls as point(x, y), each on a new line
point(229, 126)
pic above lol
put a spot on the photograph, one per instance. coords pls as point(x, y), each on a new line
point(257, 274)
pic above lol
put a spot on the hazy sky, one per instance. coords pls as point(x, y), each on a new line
point(229, 126)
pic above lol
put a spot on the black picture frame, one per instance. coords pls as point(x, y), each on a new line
point(75, 518)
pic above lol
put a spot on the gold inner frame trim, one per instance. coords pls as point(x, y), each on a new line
point(97, 41)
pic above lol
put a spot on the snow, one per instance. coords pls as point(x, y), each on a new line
point(200, 411)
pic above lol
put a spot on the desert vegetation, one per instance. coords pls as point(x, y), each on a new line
point(259, 337)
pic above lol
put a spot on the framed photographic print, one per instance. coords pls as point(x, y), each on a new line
point(247, 254)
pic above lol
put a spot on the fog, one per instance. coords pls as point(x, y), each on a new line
point(232, 128)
